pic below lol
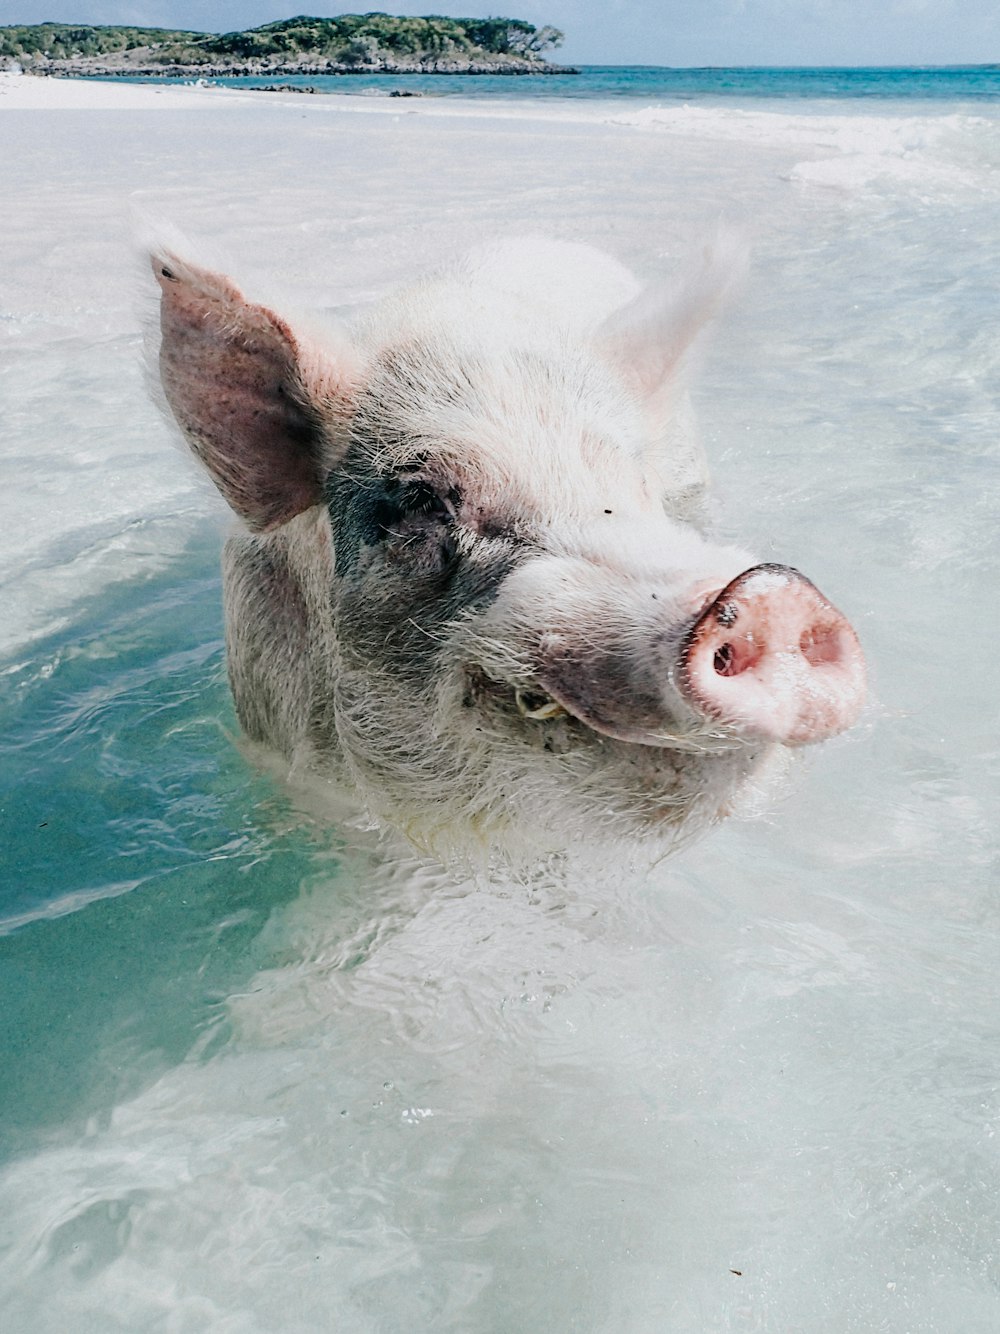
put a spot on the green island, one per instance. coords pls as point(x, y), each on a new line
point(349, 44)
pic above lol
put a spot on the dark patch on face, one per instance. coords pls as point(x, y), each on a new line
point(406, 516)
point(410, 555)
point(353, 504)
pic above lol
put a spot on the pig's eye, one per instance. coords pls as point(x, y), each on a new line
point(405, 501)
point(414, 519)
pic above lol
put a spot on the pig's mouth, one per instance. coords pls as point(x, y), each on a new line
point(538, 705)
point(542, 705)
point(694, 734)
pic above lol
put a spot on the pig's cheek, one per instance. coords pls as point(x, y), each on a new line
point(411, 554)
point(389, 616)
point(384, 572)
point(420, 554)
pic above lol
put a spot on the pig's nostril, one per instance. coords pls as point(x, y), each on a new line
point(733, 658)
point(724, 661)
point(820, 645)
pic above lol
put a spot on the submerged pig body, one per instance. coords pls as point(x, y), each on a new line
point(465, 582)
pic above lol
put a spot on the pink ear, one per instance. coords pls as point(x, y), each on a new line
point(649, 338)
point(259, 405)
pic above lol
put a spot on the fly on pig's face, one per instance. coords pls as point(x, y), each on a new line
point(467, 588)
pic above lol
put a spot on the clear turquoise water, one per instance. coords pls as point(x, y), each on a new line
point(961, 83)
point(127, 819)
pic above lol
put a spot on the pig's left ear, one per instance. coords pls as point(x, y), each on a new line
point(649, 338)
point(261, 405)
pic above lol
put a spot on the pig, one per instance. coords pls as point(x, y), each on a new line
point(469, 579)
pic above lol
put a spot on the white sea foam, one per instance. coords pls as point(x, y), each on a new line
point(856, 149)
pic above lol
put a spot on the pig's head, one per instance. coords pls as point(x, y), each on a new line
point(461, 583)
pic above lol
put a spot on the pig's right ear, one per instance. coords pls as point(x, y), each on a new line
point(261, 405)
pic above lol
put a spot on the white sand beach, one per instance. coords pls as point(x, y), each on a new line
point(23, 92)
point(756, 1091)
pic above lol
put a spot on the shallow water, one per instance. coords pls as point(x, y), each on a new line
point(256, 1078)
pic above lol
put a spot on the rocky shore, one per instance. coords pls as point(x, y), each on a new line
point(103, 68)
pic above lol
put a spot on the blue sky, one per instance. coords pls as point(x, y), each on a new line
point(649, 32)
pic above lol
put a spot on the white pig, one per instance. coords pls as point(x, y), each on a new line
point(464, 581)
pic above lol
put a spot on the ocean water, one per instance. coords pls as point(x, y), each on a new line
point(937, 83)
point(259, 1075)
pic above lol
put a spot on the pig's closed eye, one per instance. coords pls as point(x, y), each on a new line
point(414, 520)
point(412, 503)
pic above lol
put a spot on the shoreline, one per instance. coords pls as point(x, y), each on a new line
point(473, 70)
point(94, 68)
point(20, 92)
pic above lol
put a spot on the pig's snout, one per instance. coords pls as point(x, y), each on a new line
point(771, 659)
